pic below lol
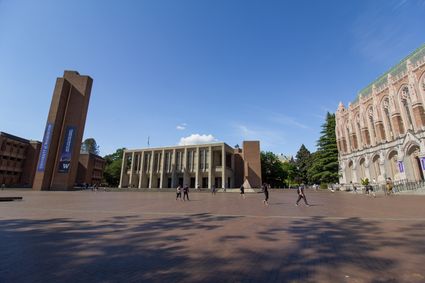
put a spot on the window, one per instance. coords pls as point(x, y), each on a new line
point(405, 100)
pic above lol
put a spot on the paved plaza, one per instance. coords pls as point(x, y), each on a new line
point(151, 237)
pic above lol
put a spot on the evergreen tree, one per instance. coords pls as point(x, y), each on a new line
point(324, 167)
point(302, 162)
point(90, 146)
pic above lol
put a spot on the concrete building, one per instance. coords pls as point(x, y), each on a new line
point(204, 165)
point(90, 169)
point(18, 160)
point(382, 133)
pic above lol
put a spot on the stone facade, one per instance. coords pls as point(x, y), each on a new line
point(203, 165)
point(382, 133)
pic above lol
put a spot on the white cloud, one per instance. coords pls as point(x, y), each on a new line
point(287, 120)
point(181, 126)
point(269, 138)
point(197, 139)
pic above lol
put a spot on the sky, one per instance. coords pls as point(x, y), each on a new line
point(192, 71)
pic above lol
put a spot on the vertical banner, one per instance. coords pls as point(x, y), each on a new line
point(45, 147)
point(400, 166)
point(65, 159)
point(422, 162)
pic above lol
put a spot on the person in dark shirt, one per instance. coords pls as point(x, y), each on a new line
point(242, 194)
point(213, 190)
point(301, 195)
point(186, 192)
point(266, 194)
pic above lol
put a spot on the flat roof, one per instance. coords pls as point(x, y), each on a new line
point(9, 136)
point(179, 146)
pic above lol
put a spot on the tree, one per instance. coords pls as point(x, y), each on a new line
point(324, 167)
point(112, 172)
point(272, 170)
point(302, 162)
point(90, 146)
point(290, 170)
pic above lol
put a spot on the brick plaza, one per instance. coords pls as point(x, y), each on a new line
point(150, 237)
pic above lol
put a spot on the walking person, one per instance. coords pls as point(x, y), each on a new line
point(301, 195)
point(213, 190)
point(3, 186)
point(179, 193)
point(389, 186)
point(353, 187)
point(242, 194)
point(266, 194)
point(185, 193)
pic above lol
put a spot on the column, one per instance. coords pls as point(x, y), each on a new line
point(152, 161)
point(223, 167)
point(173, 169)
point(161, 170)
point(210, 158)
point(142, 165)
point(197, 168)
point(354, 176)
point(123, 167)
point(185, 167)
point(130, 182)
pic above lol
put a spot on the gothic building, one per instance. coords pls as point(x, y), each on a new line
point(382, 133)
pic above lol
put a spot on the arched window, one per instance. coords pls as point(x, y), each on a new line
point(387, 117)
point(405, 101)
point(371, 121)
point(349, 138)
point(359, 130)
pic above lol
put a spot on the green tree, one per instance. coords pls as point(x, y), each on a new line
point(272, 170)
point(291, 172)
point(112, 172)
point(302, 162)
point(90, 146)
point(324, 167)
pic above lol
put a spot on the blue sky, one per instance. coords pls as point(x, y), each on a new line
point(230, 70)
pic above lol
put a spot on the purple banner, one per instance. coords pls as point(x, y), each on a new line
point(65, 160)
point(400, 166)
point(45, 147)
point(422, 162)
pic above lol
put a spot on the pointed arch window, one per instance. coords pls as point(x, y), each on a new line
point(372, 122)
point(386, 109)
point(405, 100)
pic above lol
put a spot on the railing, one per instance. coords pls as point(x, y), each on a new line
point(398, 186)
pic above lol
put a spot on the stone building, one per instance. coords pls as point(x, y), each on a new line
point(382, 133)
point(18, 159)
point(204, 165)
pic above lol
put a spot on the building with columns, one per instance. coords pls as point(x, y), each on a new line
point(382, 133)
point(203, 165)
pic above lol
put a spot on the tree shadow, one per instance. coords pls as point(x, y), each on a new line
point(134, 249)
point(63, 249)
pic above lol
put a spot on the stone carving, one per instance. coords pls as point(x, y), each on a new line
point(405, 93)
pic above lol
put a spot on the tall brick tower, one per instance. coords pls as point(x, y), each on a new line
point(252, 164)
point(58, 161)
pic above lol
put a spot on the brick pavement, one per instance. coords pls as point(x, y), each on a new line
point(150, 237)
